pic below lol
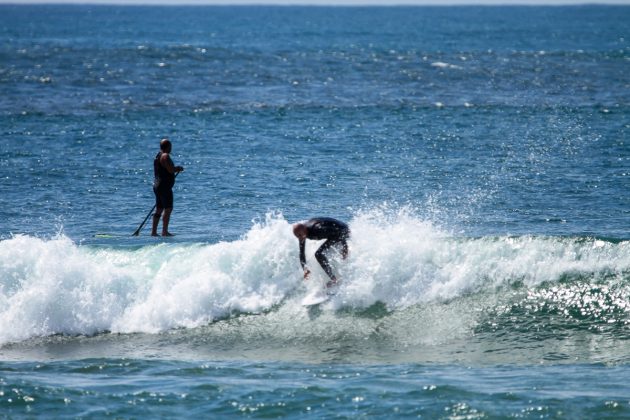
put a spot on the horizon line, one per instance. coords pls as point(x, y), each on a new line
point(380, 3)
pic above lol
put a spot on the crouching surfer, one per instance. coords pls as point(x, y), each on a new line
point(336, 234)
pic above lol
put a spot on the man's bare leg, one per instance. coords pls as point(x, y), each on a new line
point(165, 220)
point(156, 220)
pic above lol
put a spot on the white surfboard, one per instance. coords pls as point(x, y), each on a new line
point(316, 298)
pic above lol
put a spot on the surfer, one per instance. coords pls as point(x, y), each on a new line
point(164, 171)
point(336, 234)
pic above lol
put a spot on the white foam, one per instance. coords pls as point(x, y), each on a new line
point(56, 286)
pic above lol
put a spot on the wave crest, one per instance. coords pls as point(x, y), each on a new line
point(396, 259)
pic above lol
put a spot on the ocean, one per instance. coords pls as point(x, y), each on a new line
point(479, 154)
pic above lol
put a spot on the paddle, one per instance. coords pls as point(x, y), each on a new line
point(137, 232)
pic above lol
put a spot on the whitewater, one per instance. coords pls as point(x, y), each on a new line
point(399, 264)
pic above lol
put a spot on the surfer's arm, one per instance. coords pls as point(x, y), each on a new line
point(303, 258)
point(302, 253)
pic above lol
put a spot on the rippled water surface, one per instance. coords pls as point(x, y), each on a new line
point(479, 154)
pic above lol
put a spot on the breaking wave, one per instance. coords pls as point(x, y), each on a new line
point(397, 263)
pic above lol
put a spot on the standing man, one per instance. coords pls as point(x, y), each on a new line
point(336, 234)
point(164, 171)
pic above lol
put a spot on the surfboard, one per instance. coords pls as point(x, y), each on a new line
point(316, 298)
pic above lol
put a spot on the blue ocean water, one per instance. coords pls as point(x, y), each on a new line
point(479, 154)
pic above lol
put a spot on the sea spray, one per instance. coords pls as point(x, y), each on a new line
point(54, 286)
point(396, 260)
point(197, 284)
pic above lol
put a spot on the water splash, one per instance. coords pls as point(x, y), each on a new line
point(397, 260)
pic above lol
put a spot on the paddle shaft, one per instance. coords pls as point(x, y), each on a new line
point(137, 232)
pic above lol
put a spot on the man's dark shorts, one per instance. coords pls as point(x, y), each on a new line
point(163, 198)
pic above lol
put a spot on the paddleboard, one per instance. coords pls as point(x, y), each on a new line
point(315, 298)
point(104, 235)
point(116, 236)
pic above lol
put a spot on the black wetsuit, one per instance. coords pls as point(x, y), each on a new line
point(335, 233)
point(162, 184)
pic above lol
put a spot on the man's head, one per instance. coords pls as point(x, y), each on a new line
point(165, 145)
point(300, 231)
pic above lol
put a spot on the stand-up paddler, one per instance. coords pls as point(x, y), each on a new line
point(164, 172)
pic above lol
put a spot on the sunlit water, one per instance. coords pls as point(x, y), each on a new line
point(479, 154)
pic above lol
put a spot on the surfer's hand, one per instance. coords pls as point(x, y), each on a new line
point(306, 273)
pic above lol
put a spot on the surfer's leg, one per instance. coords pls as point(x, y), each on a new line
point(320, 256)
point(344, 249)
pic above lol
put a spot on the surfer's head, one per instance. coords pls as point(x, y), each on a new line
point(300, 231)
point(165, 145)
